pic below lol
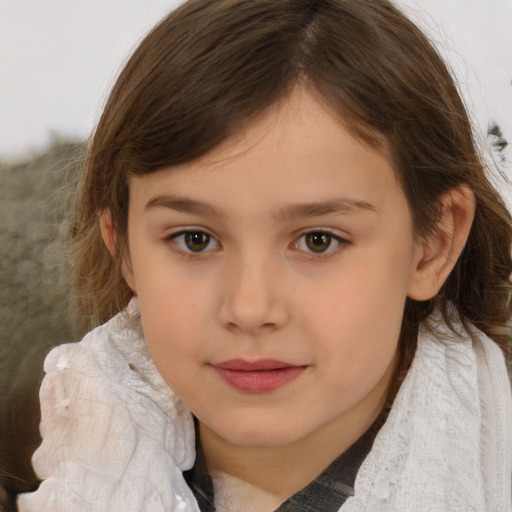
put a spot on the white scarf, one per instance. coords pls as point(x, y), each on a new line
point(116, 438)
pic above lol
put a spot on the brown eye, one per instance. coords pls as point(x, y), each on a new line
point(318, 242)
point(197, 241)
point(194, 241)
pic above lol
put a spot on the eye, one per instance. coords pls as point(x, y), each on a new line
point(319, 242)
point(194, 241)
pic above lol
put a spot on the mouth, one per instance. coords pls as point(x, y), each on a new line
point(260, 376)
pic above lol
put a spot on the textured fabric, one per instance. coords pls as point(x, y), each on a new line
point(116, 438)
point(446, 444)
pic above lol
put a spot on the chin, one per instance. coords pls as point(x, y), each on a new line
point(255, 434)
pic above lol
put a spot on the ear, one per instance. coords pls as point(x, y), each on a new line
point(109, 235)
point(437, 254)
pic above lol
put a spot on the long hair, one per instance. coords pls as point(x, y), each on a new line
point(212, 66)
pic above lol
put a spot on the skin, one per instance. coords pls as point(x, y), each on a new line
point(257, 290)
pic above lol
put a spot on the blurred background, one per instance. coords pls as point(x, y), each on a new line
point(58, 60)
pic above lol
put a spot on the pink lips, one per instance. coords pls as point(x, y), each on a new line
point(259, 376)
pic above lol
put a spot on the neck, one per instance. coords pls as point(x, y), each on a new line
point(270, 475)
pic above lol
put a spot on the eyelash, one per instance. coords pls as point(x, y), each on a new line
point(174, 237)
point(181, 247)
point(329, 251)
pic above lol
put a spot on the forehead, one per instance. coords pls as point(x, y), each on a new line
point(295, 152)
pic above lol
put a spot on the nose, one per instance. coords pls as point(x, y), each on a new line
point(253, 296)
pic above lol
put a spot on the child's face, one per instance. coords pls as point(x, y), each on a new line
point(272, 276)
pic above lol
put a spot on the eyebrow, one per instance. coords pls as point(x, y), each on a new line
point(327, 207)
point(182, 204)
point(300, 210)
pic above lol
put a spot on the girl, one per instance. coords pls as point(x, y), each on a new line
point(309, 270)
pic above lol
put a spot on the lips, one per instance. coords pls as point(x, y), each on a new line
point(262, 376)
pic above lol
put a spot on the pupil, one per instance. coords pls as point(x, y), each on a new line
point(197, 241)
point(318, 242)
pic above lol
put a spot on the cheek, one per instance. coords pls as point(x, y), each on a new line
point(169, 295)
point(356, 345)
point(369, 288)
point(175, 315)
point(357, 317)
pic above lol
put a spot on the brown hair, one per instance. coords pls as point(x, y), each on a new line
point(211, 66)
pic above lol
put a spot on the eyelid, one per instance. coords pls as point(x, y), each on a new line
point(171, 239)
point(340, 239)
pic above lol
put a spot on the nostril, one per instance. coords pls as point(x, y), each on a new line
point(233, 327)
